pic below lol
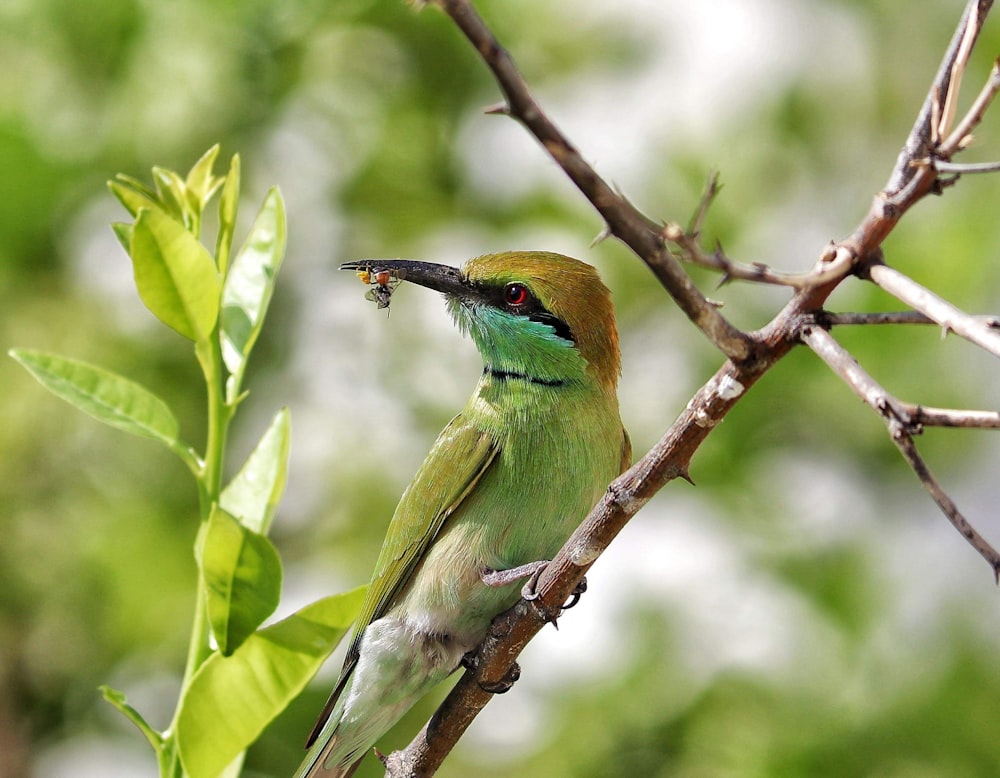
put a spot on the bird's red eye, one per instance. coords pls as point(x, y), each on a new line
point(515, 294)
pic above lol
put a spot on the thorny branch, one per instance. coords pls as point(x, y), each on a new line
point(623, 220)
point(902, 427)
point(983, 333)
point(834, 266)
point(750, 355)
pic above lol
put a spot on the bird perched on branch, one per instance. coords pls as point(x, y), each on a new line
point(503, 487)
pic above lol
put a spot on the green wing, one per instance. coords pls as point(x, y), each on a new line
point(456, 462)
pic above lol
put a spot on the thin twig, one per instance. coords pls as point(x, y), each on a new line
point(920, 142)
point(952, 319)
point(962, 134)
point(910, 181)
point(830, 267)
point(833, 265)
point(947, 417)
point(691, 251)
point(830, 319)
point(960, 168)
point(712, 189)
point(901, 425)
point(946, 114)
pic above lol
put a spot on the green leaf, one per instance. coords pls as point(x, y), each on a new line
point(117, 699)
point(175, 275)
point(250, 283)
point(231, 699)
point(106, 396)
point(253, 494)
point(242, 573)
point(228, 205)
point(172, 193)
point(123, 232)
point(133, 194)
point(200, 184)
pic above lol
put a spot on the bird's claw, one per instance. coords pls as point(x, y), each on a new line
point(503, 684)
point(470, 661)
point(574, 596)
point(528, 592)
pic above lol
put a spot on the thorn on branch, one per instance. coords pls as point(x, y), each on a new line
point(602, 236)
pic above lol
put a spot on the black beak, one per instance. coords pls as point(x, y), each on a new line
point(440, 278)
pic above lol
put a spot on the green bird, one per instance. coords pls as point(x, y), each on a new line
point(503, 487)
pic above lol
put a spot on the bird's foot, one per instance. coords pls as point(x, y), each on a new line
point(531, 571)
point(471, 661)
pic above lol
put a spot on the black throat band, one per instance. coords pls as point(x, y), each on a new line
point(510, 375)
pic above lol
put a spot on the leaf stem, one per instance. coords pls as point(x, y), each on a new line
point(208, 472)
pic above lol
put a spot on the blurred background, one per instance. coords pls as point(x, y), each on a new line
point(804, 611)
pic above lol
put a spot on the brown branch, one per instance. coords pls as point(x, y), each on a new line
point(925, 131)
point(833, 265)
point(901, 425)
point(687, 240)
point(622, 219)
point(750, 356)
point(511, 632)
point(910, 181)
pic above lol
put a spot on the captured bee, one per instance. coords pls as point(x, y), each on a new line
point(381, 283)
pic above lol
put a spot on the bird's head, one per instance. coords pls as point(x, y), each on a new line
point(531, 313)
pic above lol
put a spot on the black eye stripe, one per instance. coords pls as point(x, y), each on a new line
point(562, 328)
point(530, 307)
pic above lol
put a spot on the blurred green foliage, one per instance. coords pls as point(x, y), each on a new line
point(878, 624)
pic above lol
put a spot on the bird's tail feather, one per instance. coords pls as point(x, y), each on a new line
point(312, 766)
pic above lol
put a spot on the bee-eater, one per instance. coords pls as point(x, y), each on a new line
point(504, 485)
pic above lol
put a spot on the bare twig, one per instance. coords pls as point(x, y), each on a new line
point(712, 189)
point(902, 426)
point(830, 319)
point(945, 417)
point(952, 319)
point(834, 265)
point(960, 168)
point(962, 134)
point(925, 132)
point(946, 112)
point(910, 180)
